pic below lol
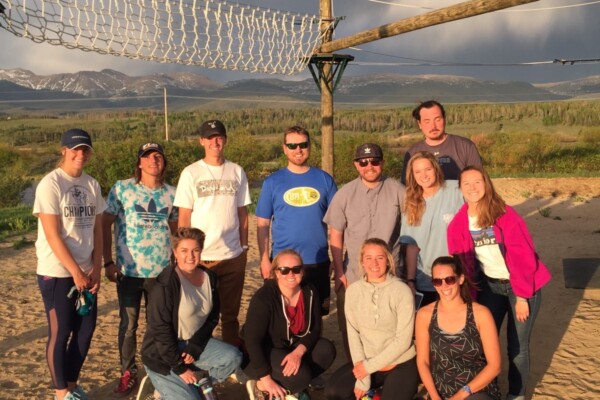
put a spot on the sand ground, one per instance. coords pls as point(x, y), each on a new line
point(565, 343)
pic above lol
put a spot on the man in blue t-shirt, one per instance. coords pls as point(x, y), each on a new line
point(294, 200)
point(142, 212)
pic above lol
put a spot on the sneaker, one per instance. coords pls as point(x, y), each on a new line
point(79, 394)
point(146, 390)
point(317, 383)
point(126, 384)
point(238, 376)
point(68, 396)
point(253, 392)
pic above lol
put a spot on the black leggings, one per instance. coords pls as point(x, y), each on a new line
point(399, 383)
point(69, 334)
point(314, 363)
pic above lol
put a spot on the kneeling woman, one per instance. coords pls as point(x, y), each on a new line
point(183, 311)
point(283, 332)
point(380, 316)
point(458, 354)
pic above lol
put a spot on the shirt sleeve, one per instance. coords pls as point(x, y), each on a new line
point(184, 196)
point(264, 207)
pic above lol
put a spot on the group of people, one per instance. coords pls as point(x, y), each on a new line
point(444, 237)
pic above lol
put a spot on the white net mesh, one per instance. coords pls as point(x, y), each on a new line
point(211, 34)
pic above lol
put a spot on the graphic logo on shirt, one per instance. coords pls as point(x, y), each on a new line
point(214, 187)
point(444, 160)
point(484, 237)
point(301, 196)
point(77, 203)
point(151, 216)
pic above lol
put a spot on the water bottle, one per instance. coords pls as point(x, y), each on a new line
point(206, 389)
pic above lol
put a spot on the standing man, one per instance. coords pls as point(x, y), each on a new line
point(141, 208)
point(296, 199)
point(453, 153)
point(212, 195)
point(367, 207)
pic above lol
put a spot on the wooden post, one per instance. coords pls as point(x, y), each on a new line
point(326, 94)
point(166, 117)
point(443, 15)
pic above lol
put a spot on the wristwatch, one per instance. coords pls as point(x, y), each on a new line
point(467, 389)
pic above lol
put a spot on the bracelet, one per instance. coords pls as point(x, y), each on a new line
point(244, 247)
point(467, 389)
point(106, 264)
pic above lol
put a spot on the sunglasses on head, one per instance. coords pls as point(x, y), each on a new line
point(294, 146)
point(286, 270)
point(450, 280)
point(363, 162)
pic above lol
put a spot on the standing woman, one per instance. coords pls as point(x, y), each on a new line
point(380, 317)
point(488, 233)
point(69, 206)
point(282, 333)
point(458, 353)
point(429, 205)
point(183, 311)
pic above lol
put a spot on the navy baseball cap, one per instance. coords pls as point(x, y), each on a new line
point(148, 147)
point(213, 127)
point(368, 150)
point(74, 138)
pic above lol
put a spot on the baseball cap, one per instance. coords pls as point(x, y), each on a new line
point(74, 138)
point(148, 147)
point(212, 127)
point(368, 150)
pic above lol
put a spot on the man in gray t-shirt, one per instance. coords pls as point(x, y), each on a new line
point(367, 207)
point(453, 153)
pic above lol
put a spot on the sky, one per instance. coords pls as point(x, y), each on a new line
point(537, 32)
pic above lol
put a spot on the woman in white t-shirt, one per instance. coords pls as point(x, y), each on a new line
point(69, 205)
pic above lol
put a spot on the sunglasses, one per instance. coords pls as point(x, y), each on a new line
point(294, 146)
point(286, 270)
point(373, 161)
point(450, 280)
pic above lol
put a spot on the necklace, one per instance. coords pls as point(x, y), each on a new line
point(217, 187)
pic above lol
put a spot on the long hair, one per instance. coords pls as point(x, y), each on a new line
point(138, 172)
point(277, 258)
point(467, 287)
point(414, 202)
point(183, 233)
point(391, 264)
point(491, 206)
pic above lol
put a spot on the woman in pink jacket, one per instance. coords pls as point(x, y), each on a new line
point(494, 244)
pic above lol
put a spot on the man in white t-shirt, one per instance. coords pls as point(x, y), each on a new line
point(212, 195)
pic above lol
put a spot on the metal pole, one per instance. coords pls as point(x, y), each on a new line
point(166, 116)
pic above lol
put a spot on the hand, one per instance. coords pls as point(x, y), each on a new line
point(359, 370)
point(94, 285)
point(81, 280)
point(291, 363)
point(112, 273)
point(340, 280)
point(187, 358)
point(188, 377)
point(522, 310)
point(460, 395)
point(359, 393)
point(267, 384)
point(265, 268)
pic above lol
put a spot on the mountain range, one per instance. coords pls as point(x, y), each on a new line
point(24, 91)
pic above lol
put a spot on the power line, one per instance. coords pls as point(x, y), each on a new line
point(502, 11)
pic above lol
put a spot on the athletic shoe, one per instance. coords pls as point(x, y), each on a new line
point(79, 394)
point(146, 390)
point(238, 376)
point(68, 396)
point(253, 392)
point(126, 384)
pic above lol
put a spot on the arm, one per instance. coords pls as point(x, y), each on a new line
point(185, 217)
point(243, 221)
point(491, 348)
point(422, 344)
point(51, 226)
point(355, 342)
point(263, 226)
point(96, 270)
point(111, 270)
point(412, 255)
point(336, 245)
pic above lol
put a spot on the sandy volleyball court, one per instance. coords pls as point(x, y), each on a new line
point(563, 215)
